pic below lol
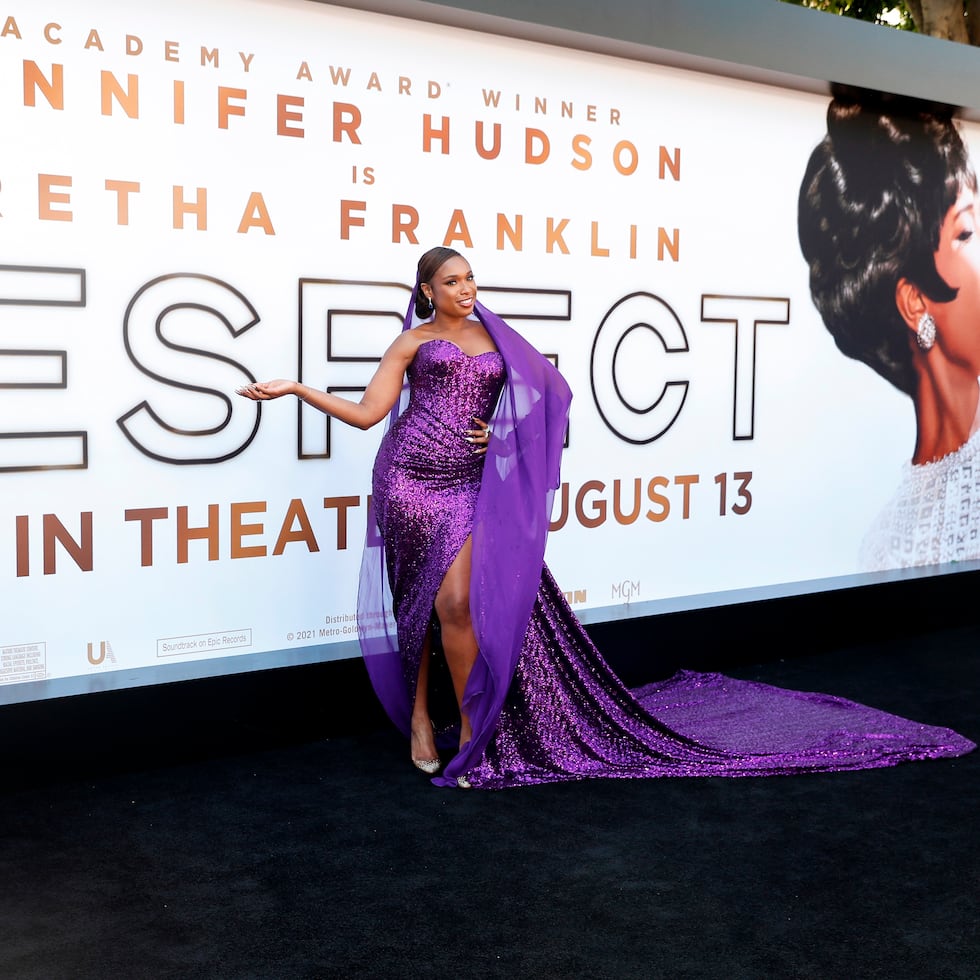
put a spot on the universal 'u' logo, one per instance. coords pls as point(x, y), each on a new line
point(104, 651)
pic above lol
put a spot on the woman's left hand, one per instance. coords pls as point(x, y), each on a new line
point(479, 438)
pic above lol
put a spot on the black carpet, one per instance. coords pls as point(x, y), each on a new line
point(212, 830)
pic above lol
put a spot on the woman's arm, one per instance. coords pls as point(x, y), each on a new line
point(380, 395)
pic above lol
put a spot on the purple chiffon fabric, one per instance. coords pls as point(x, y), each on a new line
point(544, 705)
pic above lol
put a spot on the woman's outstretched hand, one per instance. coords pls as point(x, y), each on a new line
point(263, 391)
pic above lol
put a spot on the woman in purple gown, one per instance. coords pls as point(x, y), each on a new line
point(462, 496)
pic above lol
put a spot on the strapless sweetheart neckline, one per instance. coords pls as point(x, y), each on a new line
point(442, 340)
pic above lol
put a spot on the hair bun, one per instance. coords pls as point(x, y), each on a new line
point(881, 140)
point(872, 201)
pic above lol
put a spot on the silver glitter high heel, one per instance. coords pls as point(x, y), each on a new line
point(429, 766)
point(463, 783)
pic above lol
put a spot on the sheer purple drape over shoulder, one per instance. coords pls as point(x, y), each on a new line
point(509, 533)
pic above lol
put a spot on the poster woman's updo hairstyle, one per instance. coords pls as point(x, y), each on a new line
point(875, 193)
point(429, 265)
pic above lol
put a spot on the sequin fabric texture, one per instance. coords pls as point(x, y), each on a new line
point(567, 716)
point(427, 478)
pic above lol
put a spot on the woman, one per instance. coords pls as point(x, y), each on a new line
point(887, 222)
point(463, 507)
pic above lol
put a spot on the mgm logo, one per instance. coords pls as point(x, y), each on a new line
point(626, 590)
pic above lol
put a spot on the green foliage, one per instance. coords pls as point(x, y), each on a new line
point(885, 12)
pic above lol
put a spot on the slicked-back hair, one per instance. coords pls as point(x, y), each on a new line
point(429, 265)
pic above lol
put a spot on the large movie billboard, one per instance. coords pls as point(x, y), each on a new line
point(197, 195)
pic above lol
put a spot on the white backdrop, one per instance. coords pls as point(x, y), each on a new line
point(205, 193)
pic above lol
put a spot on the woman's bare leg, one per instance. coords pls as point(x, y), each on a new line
point(423, 738)
point(458, 639)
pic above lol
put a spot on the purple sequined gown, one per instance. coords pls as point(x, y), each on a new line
point(426, 481)
point(566, 715)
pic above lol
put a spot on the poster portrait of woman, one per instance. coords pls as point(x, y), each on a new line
point(887, 224)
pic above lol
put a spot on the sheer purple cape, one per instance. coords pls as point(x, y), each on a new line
point(509, 534)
